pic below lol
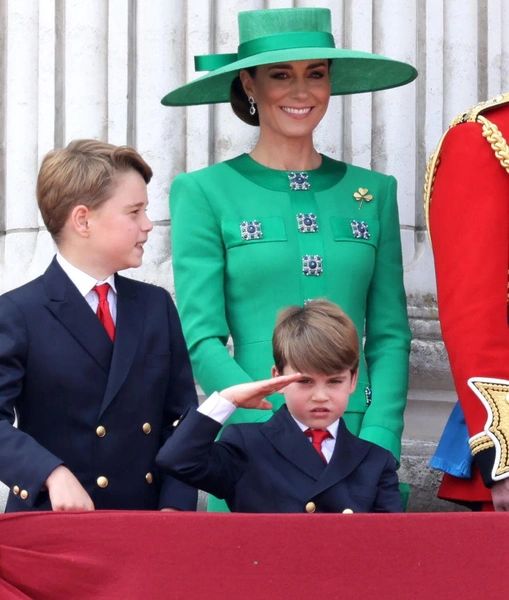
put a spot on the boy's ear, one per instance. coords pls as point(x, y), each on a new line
point(353, 384)
point(274, 371)
point(79, 220)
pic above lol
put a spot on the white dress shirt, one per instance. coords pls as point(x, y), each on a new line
point(85, 284)
point(218, 408)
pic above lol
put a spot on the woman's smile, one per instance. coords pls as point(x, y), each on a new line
point(297, 112)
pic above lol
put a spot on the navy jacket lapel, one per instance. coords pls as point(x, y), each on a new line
point(129, 327)
point(73, 311)
point(285, 435)
point(349, 452)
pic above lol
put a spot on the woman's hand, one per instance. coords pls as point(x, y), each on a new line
point(252, 395)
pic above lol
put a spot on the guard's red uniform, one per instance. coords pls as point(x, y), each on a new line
point(467, 196)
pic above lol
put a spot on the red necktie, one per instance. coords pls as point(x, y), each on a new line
point(103, 309)
point(317, 436)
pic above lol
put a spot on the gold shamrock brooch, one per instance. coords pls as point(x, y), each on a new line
point(362, 194)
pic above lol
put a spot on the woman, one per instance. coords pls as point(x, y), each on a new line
point(284, 223)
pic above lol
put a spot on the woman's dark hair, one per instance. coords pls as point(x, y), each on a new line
point(239, 102)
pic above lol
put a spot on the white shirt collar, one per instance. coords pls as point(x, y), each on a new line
point(82, 280)
point(332, 428)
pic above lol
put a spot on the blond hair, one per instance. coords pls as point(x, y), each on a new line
point(317, 337)
point(84, 172)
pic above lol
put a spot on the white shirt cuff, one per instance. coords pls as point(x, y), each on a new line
point(218, 408)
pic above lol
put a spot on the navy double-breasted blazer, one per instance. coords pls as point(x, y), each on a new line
point(102, 409)
point(271, 467)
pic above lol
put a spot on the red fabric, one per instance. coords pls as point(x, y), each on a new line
point(464, 490)
point(317, 436)
point(103, 309)
point(469, 228)
point(139, 555)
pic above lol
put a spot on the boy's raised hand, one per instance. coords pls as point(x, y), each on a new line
point(66, 492)
point(252, 395)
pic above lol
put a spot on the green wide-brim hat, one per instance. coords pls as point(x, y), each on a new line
point(286, 35)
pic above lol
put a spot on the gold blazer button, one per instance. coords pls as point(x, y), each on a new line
point(100, 431)
point(310, 507)
point(149, 477)
point(102, 481)
point(23, 494)
point(147, 428)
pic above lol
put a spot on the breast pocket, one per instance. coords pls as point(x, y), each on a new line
point(356, 230)
point(253, 232)
point(354, 250)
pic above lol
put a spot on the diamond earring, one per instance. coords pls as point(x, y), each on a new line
point(252, 108)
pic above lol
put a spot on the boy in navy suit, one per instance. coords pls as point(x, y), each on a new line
point(303, 459)
point(95, 398)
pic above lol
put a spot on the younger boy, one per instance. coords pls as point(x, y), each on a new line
point(95, 394)
point(303, 459)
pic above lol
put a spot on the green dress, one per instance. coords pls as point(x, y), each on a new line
point(248, 240)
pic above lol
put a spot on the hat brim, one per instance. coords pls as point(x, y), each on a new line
point(352, 72)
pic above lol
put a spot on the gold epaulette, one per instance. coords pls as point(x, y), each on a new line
point(494, 396)
point(489, 131)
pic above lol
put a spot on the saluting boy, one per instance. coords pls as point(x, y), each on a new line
point(303, 459)
point(93, 364)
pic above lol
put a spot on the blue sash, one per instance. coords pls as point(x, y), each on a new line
point(453, 454)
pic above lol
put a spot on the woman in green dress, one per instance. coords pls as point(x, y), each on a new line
point(284, 223)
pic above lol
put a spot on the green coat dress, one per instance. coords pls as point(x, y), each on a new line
point(245, 244)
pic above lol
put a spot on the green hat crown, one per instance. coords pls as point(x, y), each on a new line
point(254, 24)
point(268, 30)
point(274, 29)
point(285, 35)
point(260, 24)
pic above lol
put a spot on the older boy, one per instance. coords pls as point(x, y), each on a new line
point(95, 397)
point(303, 459)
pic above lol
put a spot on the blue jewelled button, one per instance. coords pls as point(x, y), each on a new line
point(360, 230)
point(312, 265)
point(299, 181)
point(251, 230)
point(306, 222)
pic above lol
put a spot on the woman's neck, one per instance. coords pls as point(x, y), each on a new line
point(286, 154)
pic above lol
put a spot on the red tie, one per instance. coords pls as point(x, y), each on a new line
point(103, 309)
point(317, 436)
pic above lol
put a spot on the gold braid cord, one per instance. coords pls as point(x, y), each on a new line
point(496, 140)
point(429, 180)
point(480, 443)
point(490, 131)
point(494, 395)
